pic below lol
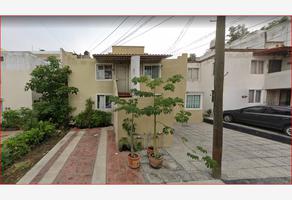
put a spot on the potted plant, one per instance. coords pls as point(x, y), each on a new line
point(129, 125)
point(160, 105)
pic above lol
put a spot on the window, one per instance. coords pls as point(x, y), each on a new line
point(152, 70)
point(257, 67)
point(1, 58)
point(257, 109)
point(193, 74)
point(103, 71)
point(254, 96)
point(103, 102)
point(193, 101)
point(275, 66)
point(212, 96)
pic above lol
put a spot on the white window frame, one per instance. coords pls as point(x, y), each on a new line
point(192, 80)
point(103, 94)
point(254, 96)
point(201, 100)
point(152, 64)
point(257, 65)
point(98, 64)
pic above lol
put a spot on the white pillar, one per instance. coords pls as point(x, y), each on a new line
point(134, 71)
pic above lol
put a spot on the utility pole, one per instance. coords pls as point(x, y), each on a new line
point(218, 95)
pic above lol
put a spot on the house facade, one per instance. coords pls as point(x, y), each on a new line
point(110, 74)
point(257, 70)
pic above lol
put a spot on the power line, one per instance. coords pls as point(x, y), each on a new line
point(208, 35)
point(110, 33)
point(148, 29)
point(127, 34)
point(182, 33)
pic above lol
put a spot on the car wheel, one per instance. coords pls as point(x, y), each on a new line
point(287, 130)
point(227, 118)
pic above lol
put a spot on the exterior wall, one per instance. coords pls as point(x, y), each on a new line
point(45, 54)
point(238, 79)
point(84, 78)
point(128, 50)
point(16, 69)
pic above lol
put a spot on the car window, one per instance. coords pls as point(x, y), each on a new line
point(258, 109)
point(279, 111)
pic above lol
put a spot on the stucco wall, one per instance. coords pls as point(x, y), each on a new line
point(16, 69)
point(238, 79)
point(145, 124)
point(128, 49)
point(83, 77)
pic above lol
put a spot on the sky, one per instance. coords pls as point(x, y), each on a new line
point(159, 35)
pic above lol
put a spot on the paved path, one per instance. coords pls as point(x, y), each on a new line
point(90, 156)
point(244, 156)
point(87, 156)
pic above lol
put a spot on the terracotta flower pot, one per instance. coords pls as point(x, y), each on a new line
point(155, 162)
point(150, 150)
point(134, 161)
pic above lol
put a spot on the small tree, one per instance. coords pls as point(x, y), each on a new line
point(51, 81)
point(161, 104)
point(236, 32)
point(130, 106)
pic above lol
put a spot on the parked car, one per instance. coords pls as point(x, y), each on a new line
point(273, 117)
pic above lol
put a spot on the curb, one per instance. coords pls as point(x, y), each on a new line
point(254, 131)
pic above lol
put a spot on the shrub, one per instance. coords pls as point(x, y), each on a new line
point(24, 119)
point(90, 118)
point(28, 118)
point(16, 147)
point(11, 119)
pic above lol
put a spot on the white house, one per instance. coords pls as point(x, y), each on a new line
point(16, 69)
point(253, 76)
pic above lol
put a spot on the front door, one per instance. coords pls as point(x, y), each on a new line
point(122, 77)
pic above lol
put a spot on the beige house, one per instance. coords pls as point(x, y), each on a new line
point(110, 74)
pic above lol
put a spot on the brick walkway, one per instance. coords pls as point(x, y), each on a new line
point(118, 171)
point(83, 157)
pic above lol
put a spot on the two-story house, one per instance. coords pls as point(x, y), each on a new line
point(110, 74)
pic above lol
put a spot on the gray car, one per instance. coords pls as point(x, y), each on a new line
point(272, 117)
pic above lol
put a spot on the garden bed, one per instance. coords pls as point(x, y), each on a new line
point(13, 173)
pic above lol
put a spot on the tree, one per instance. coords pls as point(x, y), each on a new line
point(160, 104)
point(236, 32)
point(51, 82)
point(131, 108)
point(275, 22)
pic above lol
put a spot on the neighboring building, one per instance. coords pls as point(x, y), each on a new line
point(253, 76)
point(16, 69)
point(110, 74)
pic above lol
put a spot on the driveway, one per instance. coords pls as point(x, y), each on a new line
point(245, 157)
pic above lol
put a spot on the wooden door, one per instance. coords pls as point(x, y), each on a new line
point(122, 77)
